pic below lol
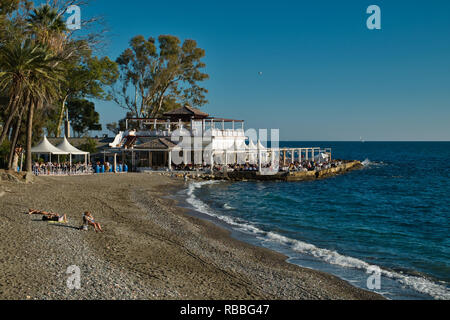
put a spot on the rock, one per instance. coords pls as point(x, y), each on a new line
point(11, 176)
point(6, 176)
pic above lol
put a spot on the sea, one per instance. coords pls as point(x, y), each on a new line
point(384, 228)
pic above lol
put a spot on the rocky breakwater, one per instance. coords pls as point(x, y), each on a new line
point(342, 168)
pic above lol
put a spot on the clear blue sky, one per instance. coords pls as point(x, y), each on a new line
point(325, 75)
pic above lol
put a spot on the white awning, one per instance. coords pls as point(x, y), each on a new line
point(46, 147)
point(70, 149)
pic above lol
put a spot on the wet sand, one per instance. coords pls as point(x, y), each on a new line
point(151, 249)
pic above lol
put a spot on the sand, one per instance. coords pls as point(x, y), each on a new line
point(151, 249)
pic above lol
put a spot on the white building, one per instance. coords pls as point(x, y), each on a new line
point(187, 136)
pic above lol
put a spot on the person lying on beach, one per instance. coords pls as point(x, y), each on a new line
point(54, 217)
point(49, 216)
point(32, 211)
point(88, 220)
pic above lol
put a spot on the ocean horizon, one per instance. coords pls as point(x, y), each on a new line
point(392, 214)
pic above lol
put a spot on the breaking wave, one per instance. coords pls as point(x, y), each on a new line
point(367, 163)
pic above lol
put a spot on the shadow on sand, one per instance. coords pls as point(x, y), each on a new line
point(57, 224)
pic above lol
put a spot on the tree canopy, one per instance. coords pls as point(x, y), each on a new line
point(47, 71)
point(83, 116)
point(156, 76)
point(42, 66)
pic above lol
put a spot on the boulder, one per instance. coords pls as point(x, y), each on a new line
point(7, 176)
point(16, 177)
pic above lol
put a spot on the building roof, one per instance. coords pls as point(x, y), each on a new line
point(156, 144)
point(186, 111)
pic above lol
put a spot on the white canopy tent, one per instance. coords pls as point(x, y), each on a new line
point(71, 150)
point(263, 153)
point(241, 151)
point(45, 147)
point(252, 150)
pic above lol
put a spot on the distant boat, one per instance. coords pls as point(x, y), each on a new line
point(361, 139)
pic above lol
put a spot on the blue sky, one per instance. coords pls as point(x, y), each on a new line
point(325, 75)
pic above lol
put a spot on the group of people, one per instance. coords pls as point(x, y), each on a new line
point(309, 165)
point(191, 167)
point(63, 168)
point(217, 167)
point(304, 165)
point(102, 167)
point(88, 219)
point(238, 167)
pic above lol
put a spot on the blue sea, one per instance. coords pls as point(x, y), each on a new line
point(394, 215)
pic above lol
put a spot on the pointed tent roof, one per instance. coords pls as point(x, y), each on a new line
point(260, 146)
point(251, 145)
point(46, 147)
point(70, 149)
point(240, 145)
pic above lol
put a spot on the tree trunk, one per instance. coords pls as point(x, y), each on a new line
point(31, 108)
point(15, 163)
point(14, 139)
point(10, 118)
point(61, 116)
point(160, 102)
point(12, 148)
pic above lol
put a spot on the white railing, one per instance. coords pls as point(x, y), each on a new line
point(194, 132)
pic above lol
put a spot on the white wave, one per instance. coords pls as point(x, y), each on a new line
point(202, 207)
point(227, 206)
point(419, 284)
point(367, 163)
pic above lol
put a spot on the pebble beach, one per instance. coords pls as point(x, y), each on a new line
point(150, 247)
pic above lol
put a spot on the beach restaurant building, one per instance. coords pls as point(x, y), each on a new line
point(189, 135)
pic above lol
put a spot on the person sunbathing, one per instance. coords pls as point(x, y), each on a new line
point(88, 220)
point(54, 217)
point(32, 211)
point(49, 216)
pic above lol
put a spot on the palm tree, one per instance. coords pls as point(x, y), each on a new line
point(30, 70)
point(47, 27)
point(16, 61)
